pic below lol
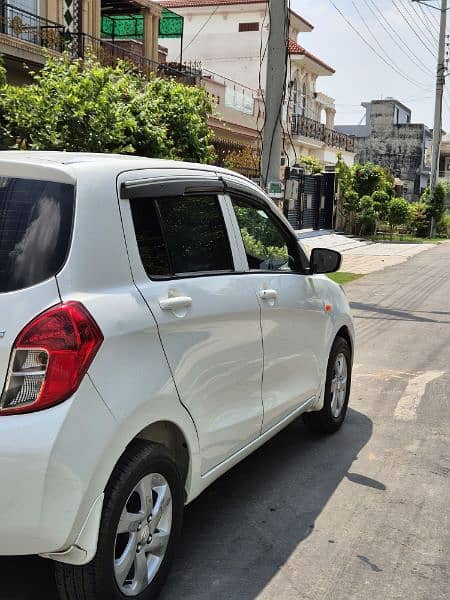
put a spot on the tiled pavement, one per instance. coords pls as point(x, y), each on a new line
point(362, 256)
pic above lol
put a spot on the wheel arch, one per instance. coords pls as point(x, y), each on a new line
point(344, 333)
point(170, 435)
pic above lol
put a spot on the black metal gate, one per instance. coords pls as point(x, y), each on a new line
point(309, 199)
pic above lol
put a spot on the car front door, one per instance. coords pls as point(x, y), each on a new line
point(208, 317)
point(293, 317)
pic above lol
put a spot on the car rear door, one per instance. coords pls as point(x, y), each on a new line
point(293, 317)
point(187, 269)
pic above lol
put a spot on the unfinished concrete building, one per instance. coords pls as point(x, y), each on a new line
point(389, 139)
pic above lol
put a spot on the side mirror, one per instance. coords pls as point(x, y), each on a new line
point(324, 260)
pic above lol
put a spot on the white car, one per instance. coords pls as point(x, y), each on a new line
point(159, 321)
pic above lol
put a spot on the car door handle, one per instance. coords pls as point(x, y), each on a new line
point(175, 303)
point(268, 294)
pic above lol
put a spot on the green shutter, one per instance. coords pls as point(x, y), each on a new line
point(123, 27)
point(171, 25)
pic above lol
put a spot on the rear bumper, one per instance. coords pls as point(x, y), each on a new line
point(47, 465)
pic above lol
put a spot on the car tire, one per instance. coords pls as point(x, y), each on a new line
point(331, 417)
point(146, 480)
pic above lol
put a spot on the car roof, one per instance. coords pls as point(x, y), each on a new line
point(69, 166)
point(120, 161)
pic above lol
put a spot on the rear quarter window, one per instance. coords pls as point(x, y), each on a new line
point(35, 230)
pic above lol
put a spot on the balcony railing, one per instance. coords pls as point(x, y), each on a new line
point(109, 53)
point(25, 26)
point(31, 28)
point(444, 174)
point(313, 129)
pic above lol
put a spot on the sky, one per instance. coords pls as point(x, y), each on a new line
point(361, 75)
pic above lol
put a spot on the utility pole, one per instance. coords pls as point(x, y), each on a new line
point(274, 94)
point(440, 84)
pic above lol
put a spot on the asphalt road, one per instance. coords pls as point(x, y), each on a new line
point(363, 514)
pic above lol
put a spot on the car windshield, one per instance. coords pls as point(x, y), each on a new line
point(35, 229)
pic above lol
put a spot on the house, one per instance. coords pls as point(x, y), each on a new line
point(229, 37)
point(389, 139)
point(30, 30)
point(444, 164)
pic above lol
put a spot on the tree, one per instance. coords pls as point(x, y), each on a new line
point(399, 211)
point(436, 204)
point(81, 105)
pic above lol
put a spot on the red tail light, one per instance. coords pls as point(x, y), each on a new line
point(50, 357)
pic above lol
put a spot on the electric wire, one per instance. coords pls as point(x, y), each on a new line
point(396, 37)
point(202, 27)
point(280, 108)
point(420, 24)
point(290, 79)
point(262, 56)
point(405, 18)
point(350, 24)
point(375, 38)
point(430, 22)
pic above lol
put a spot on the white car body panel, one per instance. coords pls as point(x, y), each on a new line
point(206, 382)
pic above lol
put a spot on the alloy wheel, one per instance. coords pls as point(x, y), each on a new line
point(143, 534)
point(339, 385)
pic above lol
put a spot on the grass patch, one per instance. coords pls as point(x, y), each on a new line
point(398, 238)
point(342, 278)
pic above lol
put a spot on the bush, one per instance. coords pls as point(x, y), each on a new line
point(437, 202)
point(367, 216)
point(368, 178)
point(2, 73)
point(312, 164)
point(381, 204)
point(350, 208)
point(81, 105)
point(398, 212)
point(443, 223)
point(418, 219)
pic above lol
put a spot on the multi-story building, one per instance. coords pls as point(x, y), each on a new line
point(444, 164)
point(229, 37)
point(389, 139)
point(30, 30)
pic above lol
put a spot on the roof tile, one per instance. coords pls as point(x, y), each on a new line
point(295, 48)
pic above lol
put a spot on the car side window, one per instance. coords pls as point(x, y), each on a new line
point(267, 246)
point(181, 235)
point(150, 238)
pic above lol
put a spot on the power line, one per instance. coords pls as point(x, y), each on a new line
point(369, 30)
point(395, 36)
point(350, 24)
point(399, 10)
point(203, 26)
point(431, 22)
point(429, 34)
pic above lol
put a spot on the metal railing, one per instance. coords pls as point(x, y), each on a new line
point(444, 174)
point(23, 25)
point(313, 129)
point(108, 53)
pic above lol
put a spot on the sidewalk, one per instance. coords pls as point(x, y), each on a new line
point(361, 256)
